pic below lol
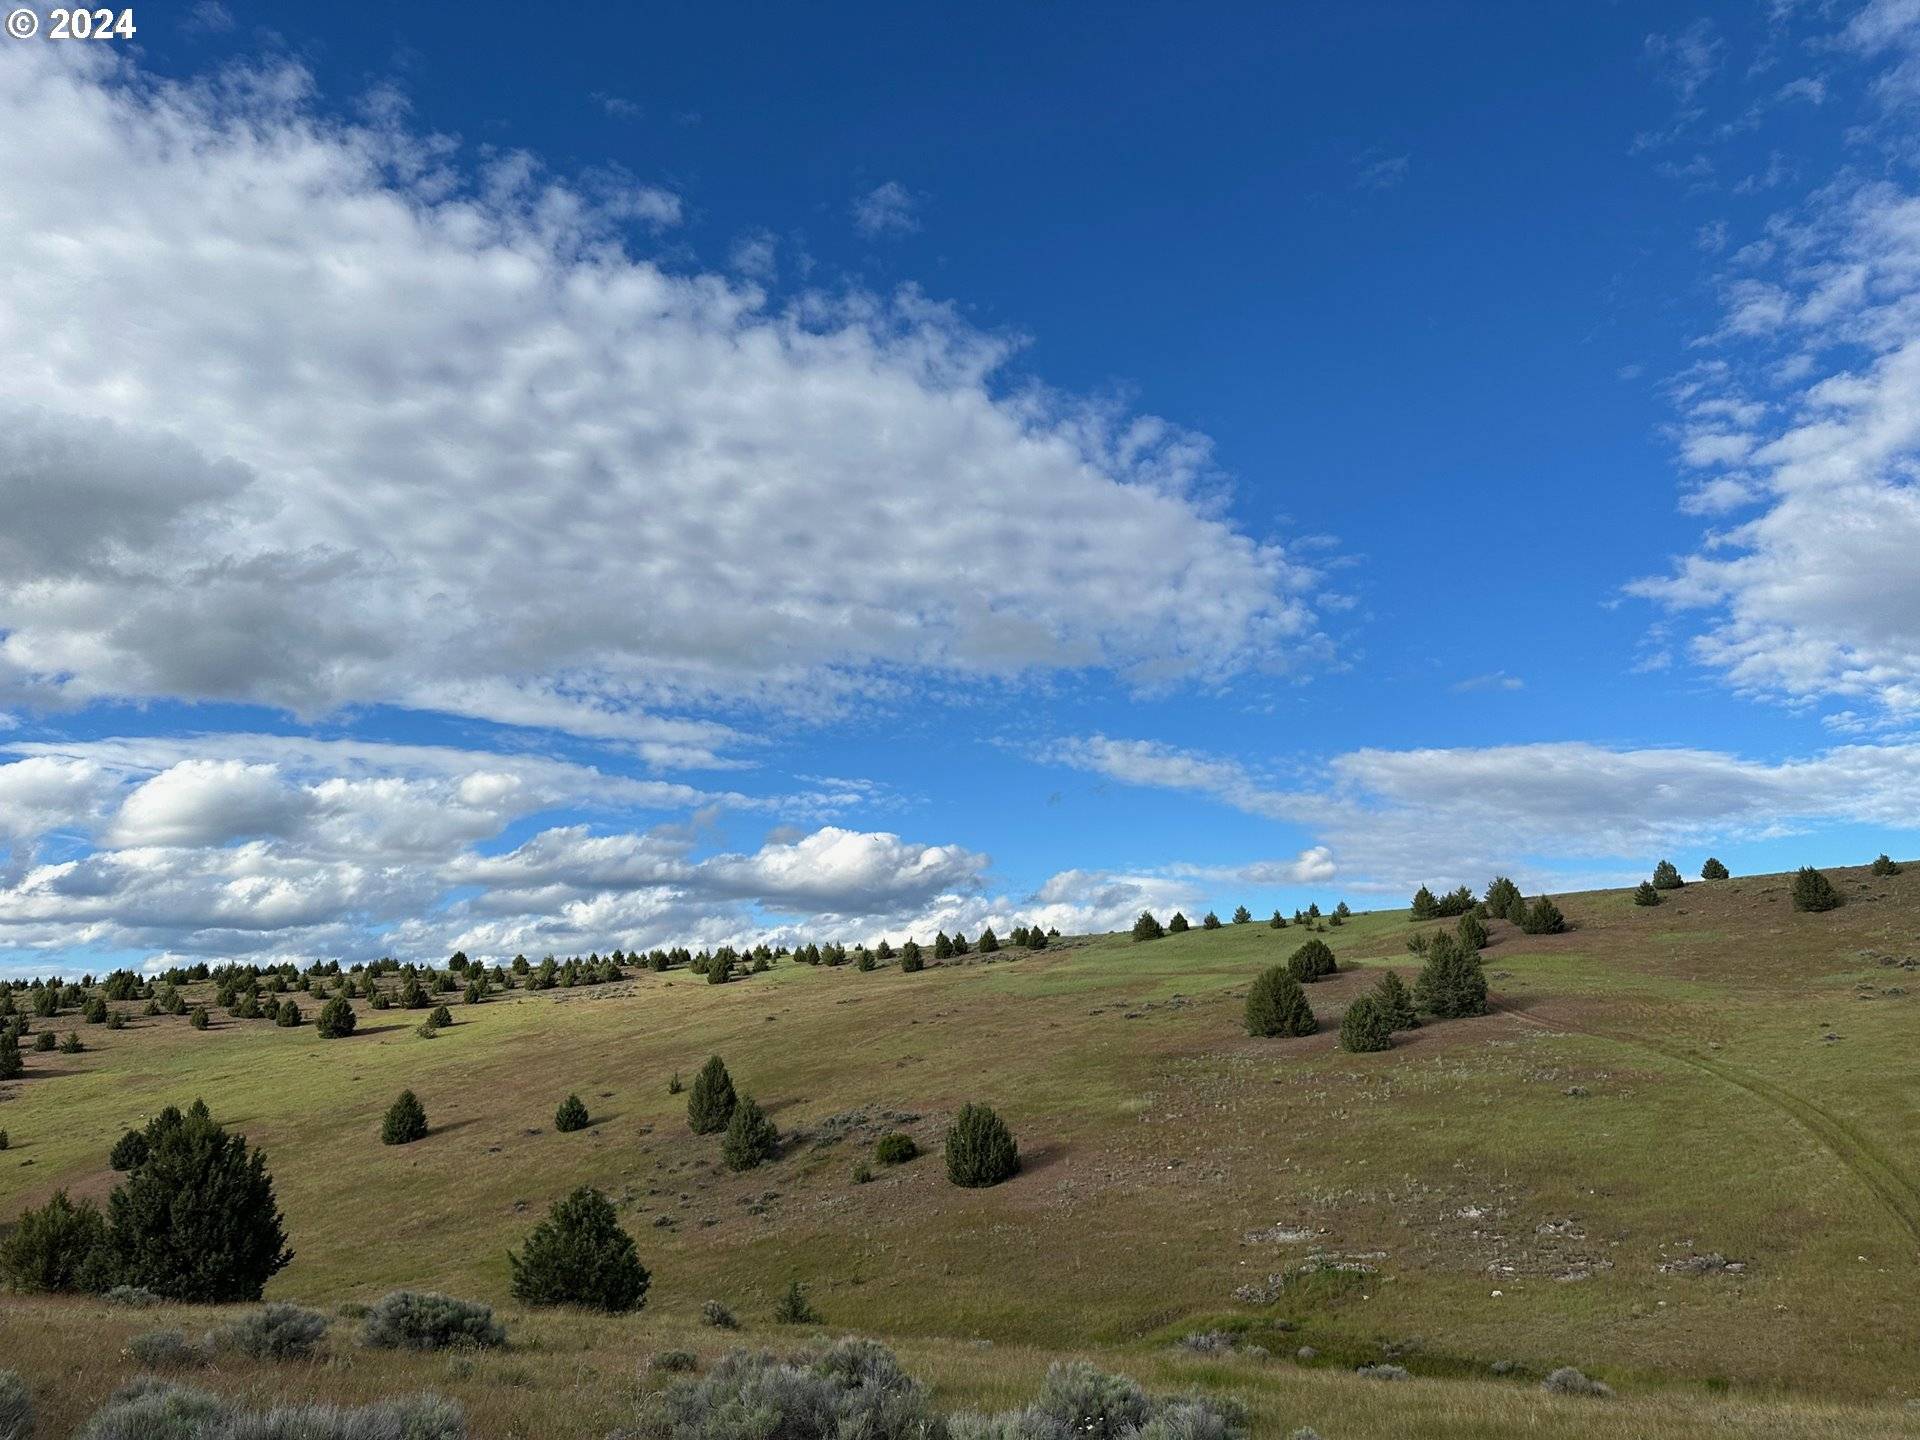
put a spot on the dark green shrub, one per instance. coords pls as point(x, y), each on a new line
point(405, 1121)
point(1037, 938)
point(673, 1362)
point(1883, 866)
point(1713, 870)
point(1278, 922)
point(711, 1101)
point(579, 1255)
point(336, 1019)
point(1395, 1001)
point(1472, 931)
point(1276, 1005)
point(752, 1139)
point(95, 1012)
point(942, 946)
point(197, 1221)
point(1543, 917)
point(1147, 928)
point(198, 1020)
point(1451, 984)
point(72, 1045)
point(1365, 1027)
point(1645, 894)
point(424, 1320)
point(42, 1043)
point(988, 942)
point(289, 1016)
point(1813, 892)
point(277, 1331)
point(5, 1141)
point(912, 962)
point(441, 1017)
point(1210, 921)
point(129, 1151)
point(572, 1115)
point(896, 1148)
point(1425, 907)
point(980, 1148)
point(865, 962)
point(1516, 911)
point(1311, 961)
point(793, 1308)
point(1666, 876)
point(1178, 924)
point(12, 1067)
point(1242, 915)
point(57, 1247)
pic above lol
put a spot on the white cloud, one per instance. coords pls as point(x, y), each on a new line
point(1686, 59)
point(1494, 680)
point(466, 454)
point(886, 209)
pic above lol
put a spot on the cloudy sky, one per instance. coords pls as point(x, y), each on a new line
point(466, 482)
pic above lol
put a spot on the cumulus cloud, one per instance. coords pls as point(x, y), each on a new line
point(467, 453)
point(885, 210)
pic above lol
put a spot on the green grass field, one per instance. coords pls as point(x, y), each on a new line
point(1715, 1075)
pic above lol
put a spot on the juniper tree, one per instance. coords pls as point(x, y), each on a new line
point(571, 1116)
point(1311, 961)
point(980, 1148)
point(12, 1067)
point(989, 942)
point(405, 1120)
point(911, 961)
point(198, 1019)
point(1278, 922)
point(1036, 939)
point(1242, 915)
point(1500, 895)
point(1645, 894)
point(1543, 917)
point(1666, 876)
point(711, 1102)
point(59, 1246)
point(1425, 907)
point(1276, 1005)
point(1146, 927)
point(1713, 870)
point(1018, 937)
point(752, 1138)
point(1451, 984)
point(336, 1019)
point(1516, 911)
point(1884, 865)
point(1472, 931)
point(1210, 922)
point(1813, 892)
point(196, 1221)
point(1395, 1001)
point(129, 1152)
point(288, 1017)
point(959, 942)
point(1178, 924)
point(579, 1255)
point(1342, 911)
point(1365, 1027)
point(942, 946)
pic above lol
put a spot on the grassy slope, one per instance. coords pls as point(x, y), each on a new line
point(1157, 1137)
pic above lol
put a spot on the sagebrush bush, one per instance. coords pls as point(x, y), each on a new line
point(713, 1313)
point(1086, 1401)
point(852, 1388)
point(895, 1148)
point(1276, 1005)
point(579, 1255)
point(134, 1297)
point(673, 1362)
point(426, 1320)
point(1569, 1381)
point(16, 1408)
point(277, 1331)
point(1813, 892)
point(150, 1409)
point(980, 1149)
point(169, 1350)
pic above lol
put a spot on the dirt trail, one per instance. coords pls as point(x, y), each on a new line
point(1861, 1156)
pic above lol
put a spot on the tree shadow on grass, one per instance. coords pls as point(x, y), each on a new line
point(1041, 1157)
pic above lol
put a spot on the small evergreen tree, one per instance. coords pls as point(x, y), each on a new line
point(1311, 961)
point(196, 1221)
point(1242, 915)
point(1276, 1005)
point(942, 946)
point(989, 942)
point(1516, 911)
point(711, 1102)
point(1646, 894)
point(289, 1016)
point(1146, 927)
point(58, 1247)
point(1037, 938)
point(1278, 922)
point(12, 1067)
point(129, 1152)
point(1666, 876)
point(1500, 896)
point(1365, 1027)
point(1884, 865)
point(959, 942)
point(1178, 924)
point(1543, 917)
point(336, 1019)
point(792, 1308)
point(752, 1138)
point(1472, 931)
point(1451, 983)
point(1211, 921)
point(1813, 892)
point(1425, 907)
point(911, 960)
point(980, 1148)
point(579, 1255)
point(1395, 1001)
point(571, 1116)
point(1713, 870)
point(405, 1121)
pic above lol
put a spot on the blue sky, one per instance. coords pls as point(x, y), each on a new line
point(690, 474)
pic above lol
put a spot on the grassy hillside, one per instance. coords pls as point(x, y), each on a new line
point(1715, 1076)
